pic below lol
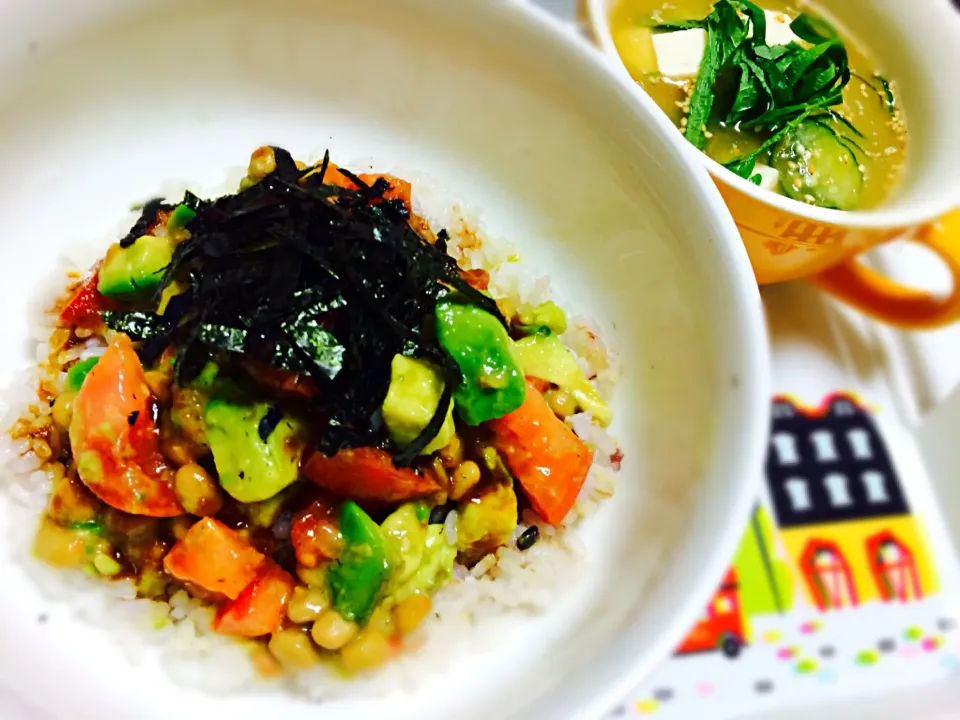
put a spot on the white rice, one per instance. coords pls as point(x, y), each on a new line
point(508, 581)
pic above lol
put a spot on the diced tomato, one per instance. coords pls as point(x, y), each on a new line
point(115, 440)
point(283, 380)
point(367, 474)
point(260, 608)
point(541, 385)
point(86, 304)
point(214, 557)
point(477, 278)
point(546, 456)
point(315, 532)
point(399, 188)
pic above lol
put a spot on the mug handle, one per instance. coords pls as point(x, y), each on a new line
point(874, 294)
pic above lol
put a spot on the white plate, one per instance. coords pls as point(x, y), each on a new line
point(107, 102)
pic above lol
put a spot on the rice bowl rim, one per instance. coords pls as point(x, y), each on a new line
point(751, 391)
point(746, 332)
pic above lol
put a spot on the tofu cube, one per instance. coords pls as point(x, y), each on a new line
point(680, 53)
point(778, 29)
point(769, 178)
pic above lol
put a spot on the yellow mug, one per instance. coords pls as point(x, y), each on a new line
point(786, 245)
point(788, 240)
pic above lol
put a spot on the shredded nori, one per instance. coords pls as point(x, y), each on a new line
point(138, 325)
point(315, 279)
point(148, 216)
point(269, 422)
point(132, 418)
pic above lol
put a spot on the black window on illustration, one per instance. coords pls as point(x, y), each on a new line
point(830, 467)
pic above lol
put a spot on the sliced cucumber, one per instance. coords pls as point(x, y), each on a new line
point(817, 166)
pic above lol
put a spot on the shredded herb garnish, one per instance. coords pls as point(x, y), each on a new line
point(743, 82)
point(313, 279)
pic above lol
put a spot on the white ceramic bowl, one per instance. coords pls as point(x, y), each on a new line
point(108, 101)
point(914, 42)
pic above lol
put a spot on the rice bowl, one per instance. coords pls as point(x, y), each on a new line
point(680, 346)
point(92, 529)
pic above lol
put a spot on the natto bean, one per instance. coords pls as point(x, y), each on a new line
point(438, 514)
point(528, 537)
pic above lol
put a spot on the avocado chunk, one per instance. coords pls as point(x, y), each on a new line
point(487, 520)
point(492, 384)
point(264, 514)
point(135, 269)
point(412, 399)
point(543, 356)
point(547, 314)
point(67, 547)
point(179, 218)
point(435, 569)
point(419, 554)
point(252, 468)
point(421, 558)
point(405, 536)
point(356, 579)
point(78, 373)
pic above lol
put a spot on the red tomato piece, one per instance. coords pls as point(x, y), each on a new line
point(546, 456)
point(87, 303)
point(283, 380)
point(315, 533)
point(214, 557)
point(399, 188)
point(115, 440)
point(367, 474)
point(478, 278)
point(260, 608)
point(541, 385)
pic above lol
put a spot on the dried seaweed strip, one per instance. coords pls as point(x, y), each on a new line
point(315, 279)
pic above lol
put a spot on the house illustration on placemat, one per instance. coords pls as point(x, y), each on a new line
point(758, 582)
point(838, 532)
point(723, 624)
point(843, 517)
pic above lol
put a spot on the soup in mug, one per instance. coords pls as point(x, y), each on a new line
point(800, 109)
